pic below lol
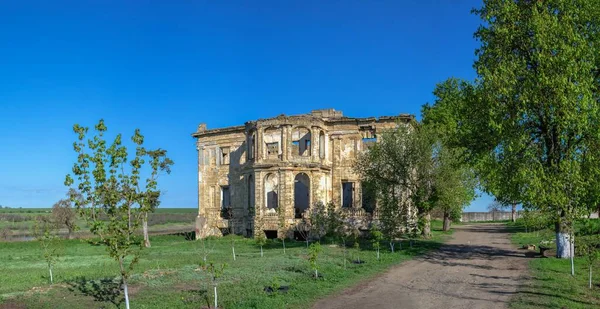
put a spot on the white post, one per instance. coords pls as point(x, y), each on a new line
point(590, 276)
point(126, 294)
point(215, 296)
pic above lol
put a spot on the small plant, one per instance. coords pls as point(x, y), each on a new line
point(261, 240)
point(45, 232)
point(206, 249)
point(275, 285)
point(357, 247)
point(587, 248)
point(216, 272)
point(282, 226)
point(376, 238)
point(313, 254)
point(318, 220)
point(303, 229)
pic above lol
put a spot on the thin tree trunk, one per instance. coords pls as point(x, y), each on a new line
point(50, 269)
point(316, 274)
point(426, 232)
point(514, 212)
point(378, 254)
point(392, 246)
point(129, 221)
point(145, 229)
point(125, 291)
point(590, 276)
point(215, 296)
point(233, 251)
point(283, 240)
point(446, 222)
point(126, 294)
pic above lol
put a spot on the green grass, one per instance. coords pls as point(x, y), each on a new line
point(168, 275)
point(550, 284)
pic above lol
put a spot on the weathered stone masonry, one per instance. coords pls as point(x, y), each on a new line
point(245, 173)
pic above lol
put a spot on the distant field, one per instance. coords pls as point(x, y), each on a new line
point(17, 223)
point(48, 210)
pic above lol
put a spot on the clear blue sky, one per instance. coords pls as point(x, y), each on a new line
point(165, 66)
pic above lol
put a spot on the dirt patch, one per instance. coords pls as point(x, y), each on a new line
point(12, 305)
point(478, 269)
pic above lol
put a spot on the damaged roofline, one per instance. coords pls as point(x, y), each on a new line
point(202, 131)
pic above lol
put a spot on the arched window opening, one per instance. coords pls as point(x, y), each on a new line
point(271, 192)
point(251, 194)
point(251, 146)
point(301, 194)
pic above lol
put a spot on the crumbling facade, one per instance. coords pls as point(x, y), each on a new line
point(263, 176)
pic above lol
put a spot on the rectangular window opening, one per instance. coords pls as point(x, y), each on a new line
point(347, 194)
point(225, 155)
point(273, 149)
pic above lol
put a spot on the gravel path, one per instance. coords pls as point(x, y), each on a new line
point(478, 268)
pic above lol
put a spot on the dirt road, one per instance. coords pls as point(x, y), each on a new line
point(478, 268)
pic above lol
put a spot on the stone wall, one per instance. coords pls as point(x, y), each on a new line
point(488, 216)
point(258, 164)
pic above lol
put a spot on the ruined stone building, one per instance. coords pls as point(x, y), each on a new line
point(254, 177)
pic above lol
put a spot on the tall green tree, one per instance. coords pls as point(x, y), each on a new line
point(453, 171)
point(112, 197)
point(389, 165)
point(534, 121)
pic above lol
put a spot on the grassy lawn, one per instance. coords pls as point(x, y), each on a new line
point(168, 275)
point(550, 283)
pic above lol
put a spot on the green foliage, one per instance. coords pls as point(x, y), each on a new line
point(535, 220)
point(111, 196)
point(318, 220)
point(313, 254)
point(535, 114)
point(589, 248)
point(260, 239)
point(335, 220)
point(388, 164)
point(216, 270)
point(45, 232)
point(376, 236)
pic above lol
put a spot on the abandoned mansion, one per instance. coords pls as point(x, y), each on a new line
point(263, 175)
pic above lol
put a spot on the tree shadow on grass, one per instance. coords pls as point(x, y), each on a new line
point(196, 296)
point(102, 290)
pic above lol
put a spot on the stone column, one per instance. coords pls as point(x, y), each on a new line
point(336, 181)
point(314, 138)
point(284, 143)
point(259, 145)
